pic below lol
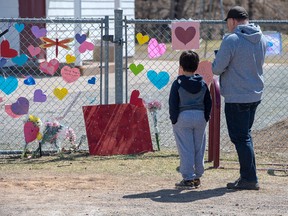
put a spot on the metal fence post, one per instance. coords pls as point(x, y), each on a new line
point(106, 77)
point(118, 56)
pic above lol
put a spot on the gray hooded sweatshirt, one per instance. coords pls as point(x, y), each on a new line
point(239, 62)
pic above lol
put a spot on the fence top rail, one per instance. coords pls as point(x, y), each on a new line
point(146, 21)
point(56, 20)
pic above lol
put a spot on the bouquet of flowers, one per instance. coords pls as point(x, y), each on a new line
point(153, 106)
point(51, 133)
point(70, 136)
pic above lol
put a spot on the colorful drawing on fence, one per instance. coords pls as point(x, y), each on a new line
point(38, 32)
point(274, 43)
point(70, 75)
point(47, 42)
point(3, 61)
point(92, 80)
point(29, 81)
point(50, 67)
point(39, 96)
point(155, 49)
point(33, 50)
point(21, 106)
point(6, 51)
point(136, 69)
point(159, 80)
point(185, 35)
point(19, 27)
point(135, 99)
point(60, 93)
point(8, 85)
point(20, 60)
point(205, 70)
point(80, 38)
point(70, 59)
point(142, 39)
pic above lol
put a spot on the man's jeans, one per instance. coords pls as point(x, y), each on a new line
point(239, 119)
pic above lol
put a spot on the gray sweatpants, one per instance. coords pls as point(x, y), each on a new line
point(190, 136)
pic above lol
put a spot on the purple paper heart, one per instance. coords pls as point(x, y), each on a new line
point(2, 62)
point(39, 96)
point(29, 81)
point(21, 106)
point(38, 32)
point(92, 80)
point(80, 38)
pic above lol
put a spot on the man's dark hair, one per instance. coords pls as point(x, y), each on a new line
point(189, 61)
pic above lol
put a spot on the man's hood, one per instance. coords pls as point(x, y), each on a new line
point(250, 32)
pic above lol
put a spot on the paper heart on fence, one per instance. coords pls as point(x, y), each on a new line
point(20, 60)
point(135, 100)
point(33, 50)
point(6, 51)
point(136, 69)
point(142, 39)
point(39, 96)
point(38, 32)
point(10, 113)
point(19, 27)
point(205, 70)
point(21, 106)
point(29, 81)
point(185, 36)
point(70, 74)
point(154, 49)
point(3, 61)
point(30, 131)
point(159, 80)
point(80, 38)
point(50, 67)
point(92, 80)
point(60, 93)
point(86, 46)
point(8, 85)
point(70, 59)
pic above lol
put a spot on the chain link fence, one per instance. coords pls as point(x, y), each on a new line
point(97, 81)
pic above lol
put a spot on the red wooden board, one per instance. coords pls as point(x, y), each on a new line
point(117, 129)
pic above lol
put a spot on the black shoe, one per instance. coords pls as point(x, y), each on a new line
point(241, 184)
point(185, 184)
point(197, 183)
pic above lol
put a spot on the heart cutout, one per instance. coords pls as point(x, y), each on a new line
point(135, 100)
point(70, 74)
point(33, 50)
point(205, 70)
point(39, 96)
point(38, 32)
point(80, 38)
point(70, 59)
point(92, 80)
point(8, 85)
point(159, 80)
point(60, 93)
point(142, 39)
point(86, 46)
point(29, 81)
point(136, 69)
point(3, 61)
point(154, 49)
point(21, 106)
point(6, 51)
point(19, 27)
point(30, 131)
point(10, 113)
point(185, 36)
point(20, 60)
point(50, 67)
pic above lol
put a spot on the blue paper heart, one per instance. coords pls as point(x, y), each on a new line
point(80, 38)
point(19, 27)
point(29, 81)
point(159, 80)
point(92, 80)
point(8, 85)
point(2, 62)
point(20, 60)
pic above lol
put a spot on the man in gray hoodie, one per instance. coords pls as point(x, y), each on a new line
point(239, 63)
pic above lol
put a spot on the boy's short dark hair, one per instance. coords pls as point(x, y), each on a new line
point(189, 61)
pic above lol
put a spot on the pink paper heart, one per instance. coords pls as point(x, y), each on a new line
point(205, 70)
point(30, 131)
point(50, 67)
point(33, 50)
point(70, 74)
point(154, 49)
point(86, 46)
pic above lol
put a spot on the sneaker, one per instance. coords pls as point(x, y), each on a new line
point(185, 184)
point(197, 183)
point(241, 184)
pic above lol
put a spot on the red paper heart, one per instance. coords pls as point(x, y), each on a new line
point(185, 36)
point(30, 132)
point(5, 50)
point(135, 100)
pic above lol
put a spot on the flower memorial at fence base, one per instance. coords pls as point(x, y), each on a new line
point(153, 106)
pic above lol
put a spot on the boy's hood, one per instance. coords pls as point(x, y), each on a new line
point(192, 84)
